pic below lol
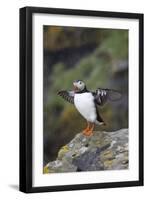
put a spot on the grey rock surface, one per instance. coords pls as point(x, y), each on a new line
point(101, 151)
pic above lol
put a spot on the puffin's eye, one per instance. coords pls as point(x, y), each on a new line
point(80, 82)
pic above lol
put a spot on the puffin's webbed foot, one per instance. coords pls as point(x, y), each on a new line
point(85, 131)
point(88, 133)
point(89, 130)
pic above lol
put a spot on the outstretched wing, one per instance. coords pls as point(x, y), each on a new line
point(103, 95)
point(67, 95)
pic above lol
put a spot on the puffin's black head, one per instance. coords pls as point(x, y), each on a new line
point(79, 85)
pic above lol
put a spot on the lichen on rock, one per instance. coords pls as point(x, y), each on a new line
point(102, 151)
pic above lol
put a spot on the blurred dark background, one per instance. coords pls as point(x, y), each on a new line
point(97, 56)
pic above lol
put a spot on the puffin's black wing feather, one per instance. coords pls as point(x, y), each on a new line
point(103, 95)
point(67, 95)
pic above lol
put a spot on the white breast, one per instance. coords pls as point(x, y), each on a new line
point(84, 103)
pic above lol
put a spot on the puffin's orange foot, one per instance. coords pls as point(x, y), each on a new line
point(85, 131)
point(89, 133)
point(89, 130)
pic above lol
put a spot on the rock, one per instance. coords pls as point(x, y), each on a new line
point(102, 151)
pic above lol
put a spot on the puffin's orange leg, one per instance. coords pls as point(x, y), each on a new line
point(90, 131)
point(86, 129)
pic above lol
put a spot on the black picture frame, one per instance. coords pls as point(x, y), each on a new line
point(26, 104)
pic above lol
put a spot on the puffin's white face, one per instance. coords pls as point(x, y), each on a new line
point(78, 85)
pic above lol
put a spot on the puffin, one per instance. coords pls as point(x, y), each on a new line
point(87, 103)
